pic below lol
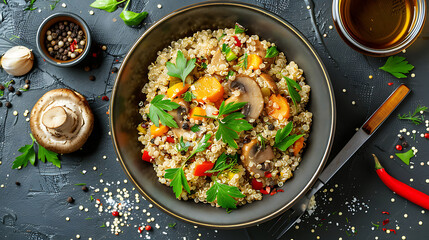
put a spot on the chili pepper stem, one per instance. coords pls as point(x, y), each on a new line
point(377, 163)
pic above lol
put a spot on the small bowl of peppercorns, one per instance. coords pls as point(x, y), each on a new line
point(63, 39)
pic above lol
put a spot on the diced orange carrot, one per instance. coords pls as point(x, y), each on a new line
point(253, 60)
point(197, 111)
point(177, 90)
point(278, 107)
point(158, 131)
point(200, 169)
point(208, 89)
point(297, 146)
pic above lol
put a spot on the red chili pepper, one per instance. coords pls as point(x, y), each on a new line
point(256, 184)
point(148, 228)
point(280, 190)
point(384, 229)
point(272, 193)
point(170, 139)
point(386, 221)
point(401, 188)
point(237, 41)
point(393, 230)
point(72, 47)
point(390, 84)
point(146, 157)
point(115, 213)
point(385, 213)
point(263, 191)
point(268, 174)
point(399, 147)
point(140, 229)
point(105, 98)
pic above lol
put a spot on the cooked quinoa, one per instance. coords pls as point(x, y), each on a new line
point(206, 47)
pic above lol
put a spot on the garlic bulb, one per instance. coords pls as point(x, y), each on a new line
point(17, 61)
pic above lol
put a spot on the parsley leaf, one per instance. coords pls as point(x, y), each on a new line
point(406, 156)
point(224, 194)
point(171, 225)
point(242, 62)
point(291, 85)
point(182, 146)
point(132, 18)
point(28, 154)
point(188, 96)
point(283, 140)
point(416, 119)
point(221, 163)
point(272, 52)
point(195, 128)
point(230, 107)
point(31, 6)
point(239, 28)
point(201, 145)
point(182, 68)
point(54, 4)
point(178, 180)
point(397, 66)
point(106, 5)
point(46, 155)
point(157, 112)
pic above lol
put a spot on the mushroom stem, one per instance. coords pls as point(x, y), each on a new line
point(60, 119)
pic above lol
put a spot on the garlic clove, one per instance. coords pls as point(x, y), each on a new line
point(17, 61)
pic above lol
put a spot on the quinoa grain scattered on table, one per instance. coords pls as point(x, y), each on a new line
point(205, 47)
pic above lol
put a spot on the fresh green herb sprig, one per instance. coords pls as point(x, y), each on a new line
point(157, 113)
point(171, 225)
point(177, 175)
point(283, 140)
point(221, 36)
point(29, 155)
point(239, 29)
point(230, 74)
point(131, 18)
point(231, 124)
point(224, 194)
point(291, 88)
point(262, 141)
point(5, 2)
point(189, 96)
point(31, 6)
point(182, 145)
point(182, 68)
point(375, 225)
point(272, 52)
point(397, 66)
point(414, 117)
point(243, 61)
point(54, 4)
point(106, 5)
point(406, 156)
point(80, 184)
point(195, 128)
point(225, 162)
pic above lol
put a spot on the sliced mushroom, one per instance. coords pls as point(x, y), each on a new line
point(178, 115)
point(254, 154)
point(61, 120)
point(262, 52)
point(270, 82)
point(250, 93)
point(218, 59)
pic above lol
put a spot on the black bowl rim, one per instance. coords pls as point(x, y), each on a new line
point(332, 125)
point(88, 39)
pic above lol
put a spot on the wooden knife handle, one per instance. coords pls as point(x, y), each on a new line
point(385, 109)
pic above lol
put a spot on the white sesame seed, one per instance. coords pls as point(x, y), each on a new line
point(296, 226)
point(101, 180)
point(408, 133)
point(414, 131)
point(159, 6)
point(125, 181)
point(423, 211)
point(150, 206)
point(403, 237)
point(104, 157)
point(405, 215)
point(27, 119)
point(86, 209)
point(427, 180)
point(325, 35)
point(340, 213)
point(15, 113)
point(91, 12)
point(411, 180)
point(344, 90)
point(353, 103)
point(413, 75)
point(94, 168)
point(64, 5)
point(420, 222)
point(330, 27)
point(308, 7)
point(387, 231)
point(77, 236)
point(370, 76)
point(392, 200)
point(67, 219)
point(81, 207)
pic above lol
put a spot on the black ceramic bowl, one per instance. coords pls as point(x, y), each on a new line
point(60, 17)
point(124, 116)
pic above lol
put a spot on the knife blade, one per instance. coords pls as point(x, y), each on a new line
point(361, 136)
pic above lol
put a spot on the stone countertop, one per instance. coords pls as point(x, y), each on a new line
point(348, 208)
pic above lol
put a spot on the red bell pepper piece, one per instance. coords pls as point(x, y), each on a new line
point(238, 42)
point(170, 139)
point(256, 184)
point(200, 169)
point(146, 157)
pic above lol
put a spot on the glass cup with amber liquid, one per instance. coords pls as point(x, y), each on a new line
point(379, 27)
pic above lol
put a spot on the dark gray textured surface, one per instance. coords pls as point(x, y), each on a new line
point(37, 209)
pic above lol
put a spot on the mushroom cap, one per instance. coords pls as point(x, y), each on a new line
point(270, 82)
point(61, 120)
point(178, 115)
point(250, 93)
point(254, 154)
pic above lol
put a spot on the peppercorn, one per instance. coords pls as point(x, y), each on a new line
point(70, 200)
point(11, 89)
point(1, 104)
point(27, 81)
point(1, 87)
point(152, 141)
point(183, 153)
point(185, 126)
point(18, 93)
point(270, 127)
point(246, 139)
point(87, 69)
point(85, 188)
point(8, 104)
point(254, 124)
point(18, 183)
point(92, 78)
point(405, 144)
point(115, 70)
